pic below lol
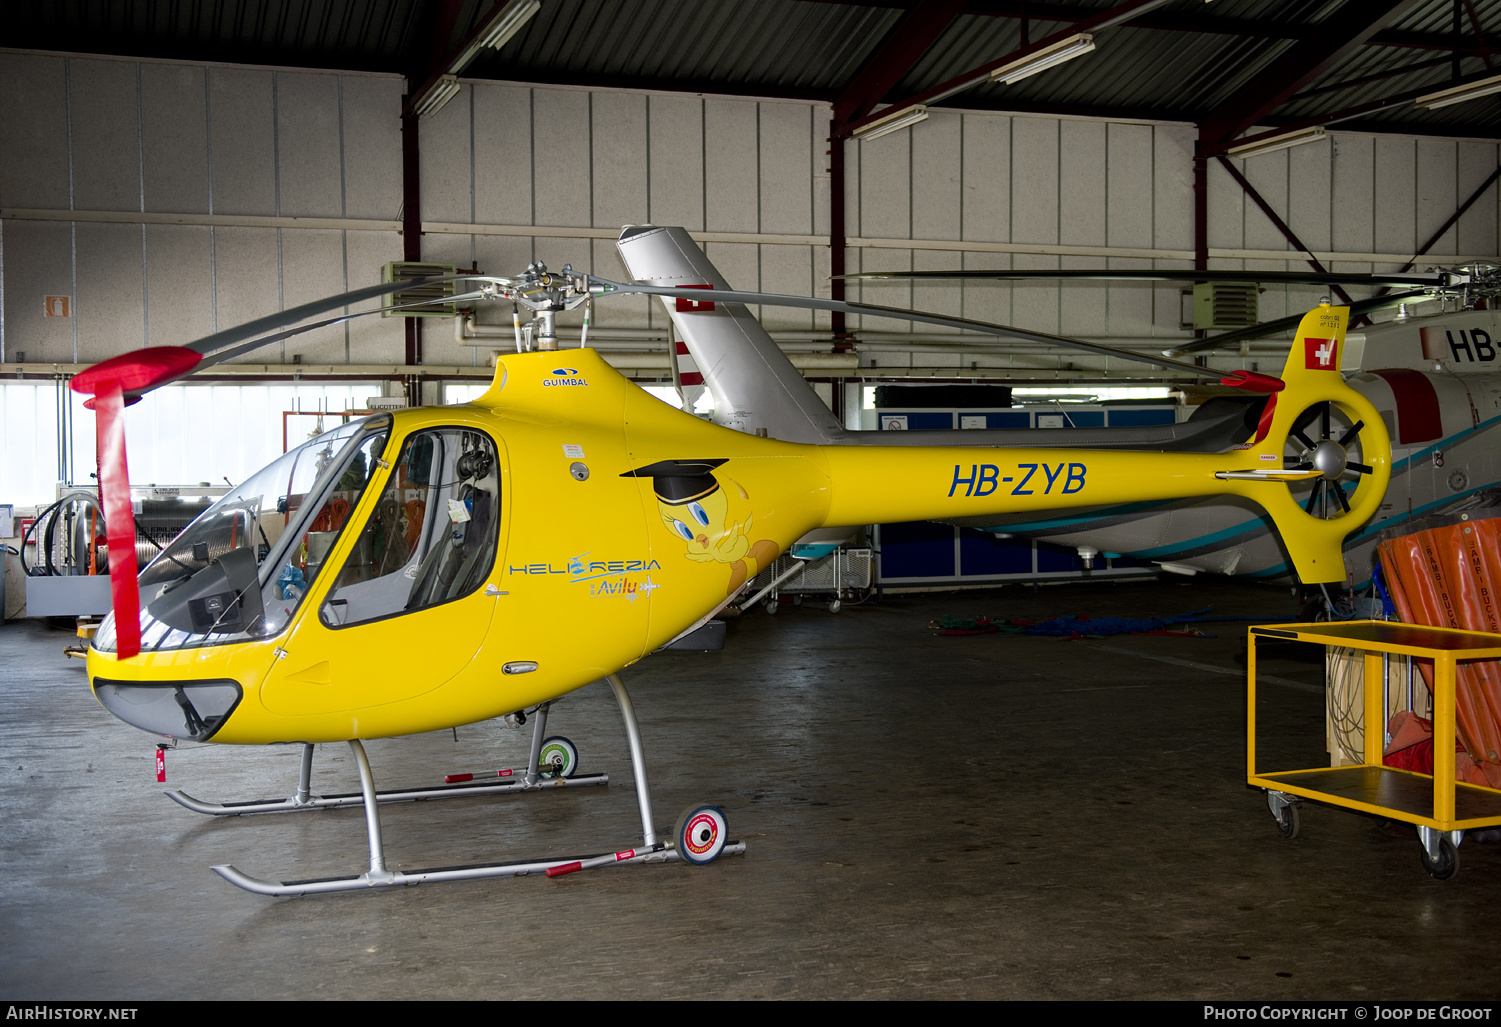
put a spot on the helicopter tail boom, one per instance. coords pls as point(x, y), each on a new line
point(886, 484)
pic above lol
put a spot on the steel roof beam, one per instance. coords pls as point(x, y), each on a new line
point(1346, 29)
point(893, 58)
point(1207, 24)
point(1279, 224)
point(713, 87)
point(1209, 148)
point(977, 76)
point(1453, 219)
point(1363, 80)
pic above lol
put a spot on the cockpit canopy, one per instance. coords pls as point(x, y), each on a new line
point(240, 570)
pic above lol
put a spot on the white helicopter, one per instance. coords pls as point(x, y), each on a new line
point(1433, 378)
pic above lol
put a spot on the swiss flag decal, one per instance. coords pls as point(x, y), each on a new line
point(1318, 354)
point(695, 306)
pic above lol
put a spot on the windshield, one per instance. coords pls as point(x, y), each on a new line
point(240, 570)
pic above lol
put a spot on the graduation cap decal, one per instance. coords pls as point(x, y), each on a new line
point(677, 482)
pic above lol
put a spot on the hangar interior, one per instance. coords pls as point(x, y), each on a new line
point(926, 815)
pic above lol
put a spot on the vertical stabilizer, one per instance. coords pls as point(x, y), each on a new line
point(755, 387)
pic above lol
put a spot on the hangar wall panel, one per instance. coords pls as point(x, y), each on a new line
point(967, 189)
point(177, 141)
point(174, 139)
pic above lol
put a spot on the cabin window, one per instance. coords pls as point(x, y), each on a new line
point(259, 542)
point(432, 536)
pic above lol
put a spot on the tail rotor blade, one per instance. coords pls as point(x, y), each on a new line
point(1313, 497)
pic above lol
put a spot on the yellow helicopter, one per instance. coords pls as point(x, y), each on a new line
point(411, 571)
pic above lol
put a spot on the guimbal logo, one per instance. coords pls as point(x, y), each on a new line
point(564, 376)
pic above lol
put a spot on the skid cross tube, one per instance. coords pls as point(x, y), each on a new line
point(505, 782)
point(651, 851)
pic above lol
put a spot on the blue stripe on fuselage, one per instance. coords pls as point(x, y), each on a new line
point(1260, 525)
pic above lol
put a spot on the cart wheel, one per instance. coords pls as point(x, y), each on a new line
point(559, 757)
point(1285, 812)
point(797, 600)
point(1447, 863)
point(700, 834)
point(834, 606)
point(771, 606)
point(1289, 822)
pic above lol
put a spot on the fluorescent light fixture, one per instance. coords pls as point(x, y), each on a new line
point(889, 123)
point(1277, 142)
point(1042, 60)
point(514, 15)
point(1459, 94)
point(504, 22)
point(508, 19)
point(438, 94)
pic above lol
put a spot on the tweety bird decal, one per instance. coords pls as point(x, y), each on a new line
point(702, 509)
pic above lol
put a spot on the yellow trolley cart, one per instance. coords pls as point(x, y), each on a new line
point(1441, 809)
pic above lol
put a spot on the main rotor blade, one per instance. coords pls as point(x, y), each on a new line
point(1288, 324)
point(841, 306)
point(292, 315)
point(1437, 279)
point(131, 395)
point(241, 350)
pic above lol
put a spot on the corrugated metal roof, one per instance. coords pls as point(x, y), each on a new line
point(1183, 60)
point(738, 45)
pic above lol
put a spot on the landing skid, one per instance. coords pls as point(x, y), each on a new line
point(506, 781)
point(699, 837)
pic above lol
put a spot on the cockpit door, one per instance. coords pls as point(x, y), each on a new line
point(402, 607)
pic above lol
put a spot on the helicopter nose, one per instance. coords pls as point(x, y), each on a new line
point(192, 710)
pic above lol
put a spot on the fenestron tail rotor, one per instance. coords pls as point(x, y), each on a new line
point(1318, 443)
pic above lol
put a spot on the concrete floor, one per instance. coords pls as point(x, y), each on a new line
point(928, 817)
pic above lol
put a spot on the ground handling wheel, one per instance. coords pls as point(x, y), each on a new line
point(700, 834)
point(559, 757)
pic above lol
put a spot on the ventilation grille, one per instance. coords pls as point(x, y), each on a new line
point(1225, 305)
point(429, 295)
